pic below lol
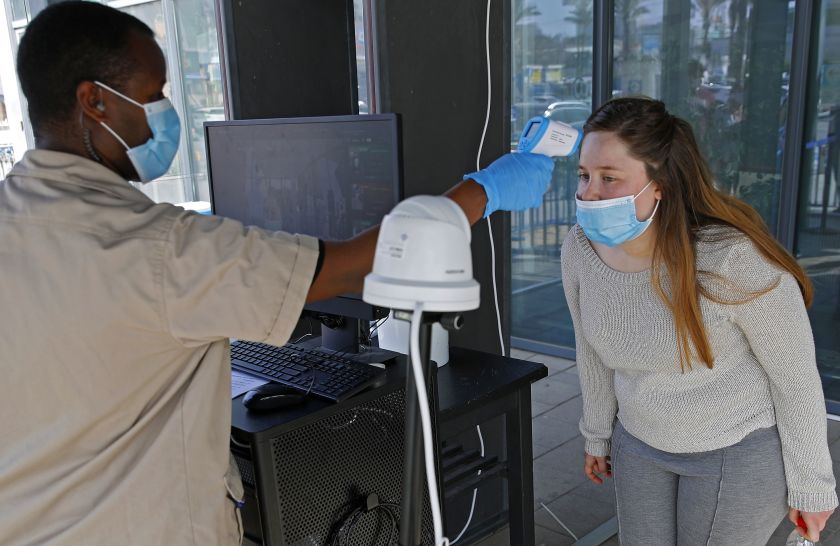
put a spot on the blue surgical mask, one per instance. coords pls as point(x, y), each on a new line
point(612, 221)
point(153, 158)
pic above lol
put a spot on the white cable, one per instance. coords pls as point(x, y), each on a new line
point(492, 251)
point(475, 491)
point(426, 421)
point(489, 88)
point(495, 289)
point(563, 525)
point(478, 168)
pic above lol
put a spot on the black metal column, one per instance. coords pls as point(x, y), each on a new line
point(288, 58)
point(801, 72)
point(602, 51)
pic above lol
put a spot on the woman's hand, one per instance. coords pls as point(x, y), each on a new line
point(815, 521)
point(596, 467)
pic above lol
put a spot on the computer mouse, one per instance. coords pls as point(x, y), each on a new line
point(272, 396)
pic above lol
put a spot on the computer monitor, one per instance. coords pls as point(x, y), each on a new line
point(330, 177)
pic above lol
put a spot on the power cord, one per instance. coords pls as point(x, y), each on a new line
point(492, 251)
point(478, 168)
point(475, 491)
point(493, 266)
point(376, 327)
point(342, 531)
point(426, 422)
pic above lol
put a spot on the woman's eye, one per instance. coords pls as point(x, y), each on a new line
point(583, 176)
point(608, 179)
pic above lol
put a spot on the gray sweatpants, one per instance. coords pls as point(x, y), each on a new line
point(734, 495)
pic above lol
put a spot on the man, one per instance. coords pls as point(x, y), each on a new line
point(116, 311)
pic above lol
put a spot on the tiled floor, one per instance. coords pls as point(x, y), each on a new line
point(559, 483)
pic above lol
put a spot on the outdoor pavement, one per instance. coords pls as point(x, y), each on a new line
point(559, 482)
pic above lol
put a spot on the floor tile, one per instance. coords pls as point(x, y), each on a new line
point(558, 471)
point(549, 432)
point(547, 537)
point(784, 529)
point(833, 431)
point(582, 509)
point(499, 538)
point(538, 408)
point(555, 364)
point(834, 448)
point(554, 389)
point(833, 523)
point(830, 538)
point(570, 411)
point(522, 355)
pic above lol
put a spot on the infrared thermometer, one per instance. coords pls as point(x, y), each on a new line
point(545, 136)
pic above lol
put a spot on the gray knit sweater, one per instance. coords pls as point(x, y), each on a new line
point(764, 369)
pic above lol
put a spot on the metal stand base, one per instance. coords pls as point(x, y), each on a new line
point(411, 510)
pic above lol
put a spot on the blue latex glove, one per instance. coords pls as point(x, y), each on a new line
point(515, 181)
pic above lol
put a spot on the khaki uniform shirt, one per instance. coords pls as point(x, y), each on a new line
point(115, 314)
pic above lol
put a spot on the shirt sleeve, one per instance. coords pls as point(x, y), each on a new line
point(221, 279)
point(596, 380)
point(778, 330)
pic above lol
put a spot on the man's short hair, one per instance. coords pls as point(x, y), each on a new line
point(68, 43)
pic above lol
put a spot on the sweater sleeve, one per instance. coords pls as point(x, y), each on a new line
point(778, 330)
point(596, 380)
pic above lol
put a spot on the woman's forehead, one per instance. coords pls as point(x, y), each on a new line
point(603, 149)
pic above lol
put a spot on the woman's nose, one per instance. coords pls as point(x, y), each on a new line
point(589, 192)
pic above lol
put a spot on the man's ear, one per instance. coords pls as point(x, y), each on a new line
point(89, 97)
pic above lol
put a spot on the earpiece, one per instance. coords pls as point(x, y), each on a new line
point(100, 106)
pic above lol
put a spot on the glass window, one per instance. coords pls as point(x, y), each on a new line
point(4, 118)
point(201, 80)
point(174, 186)
point(361, 64)
point(20, 10)
point(723, 65)
point(551, 75)
point(818, 224)
point(190, 43)
point(7, 153)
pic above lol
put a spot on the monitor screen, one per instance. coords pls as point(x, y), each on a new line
point(329, 177)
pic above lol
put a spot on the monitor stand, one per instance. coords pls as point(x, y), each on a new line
point(341, 338)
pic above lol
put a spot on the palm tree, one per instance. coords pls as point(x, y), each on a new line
point(737, 37)
point(629, 11)
point(581, 16)
point(706, 8)
point(522, 10)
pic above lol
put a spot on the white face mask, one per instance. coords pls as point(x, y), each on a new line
point(612, 221)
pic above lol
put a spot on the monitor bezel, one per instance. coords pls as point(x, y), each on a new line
point(350, 305)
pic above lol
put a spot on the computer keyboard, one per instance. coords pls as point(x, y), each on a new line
point(323, 373)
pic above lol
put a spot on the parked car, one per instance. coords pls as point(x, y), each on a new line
point(521, 112)
point(571, 112)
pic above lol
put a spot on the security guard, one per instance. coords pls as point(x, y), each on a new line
point(116, 311)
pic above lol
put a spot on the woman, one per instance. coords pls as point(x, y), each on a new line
point(691, 330)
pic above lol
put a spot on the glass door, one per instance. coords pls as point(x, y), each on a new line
point(818, 223)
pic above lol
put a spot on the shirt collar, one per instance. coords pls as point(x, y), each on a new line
point(77, 170)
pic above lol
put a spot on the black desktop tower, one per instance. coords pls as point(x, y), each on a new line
point(295, 499)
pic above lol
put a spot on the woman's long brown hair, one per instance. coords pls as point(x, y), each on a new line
point(690, 203)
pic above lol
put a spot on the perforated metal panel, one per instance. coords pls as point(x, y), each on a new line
point(246, 469)
point(322, 468)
